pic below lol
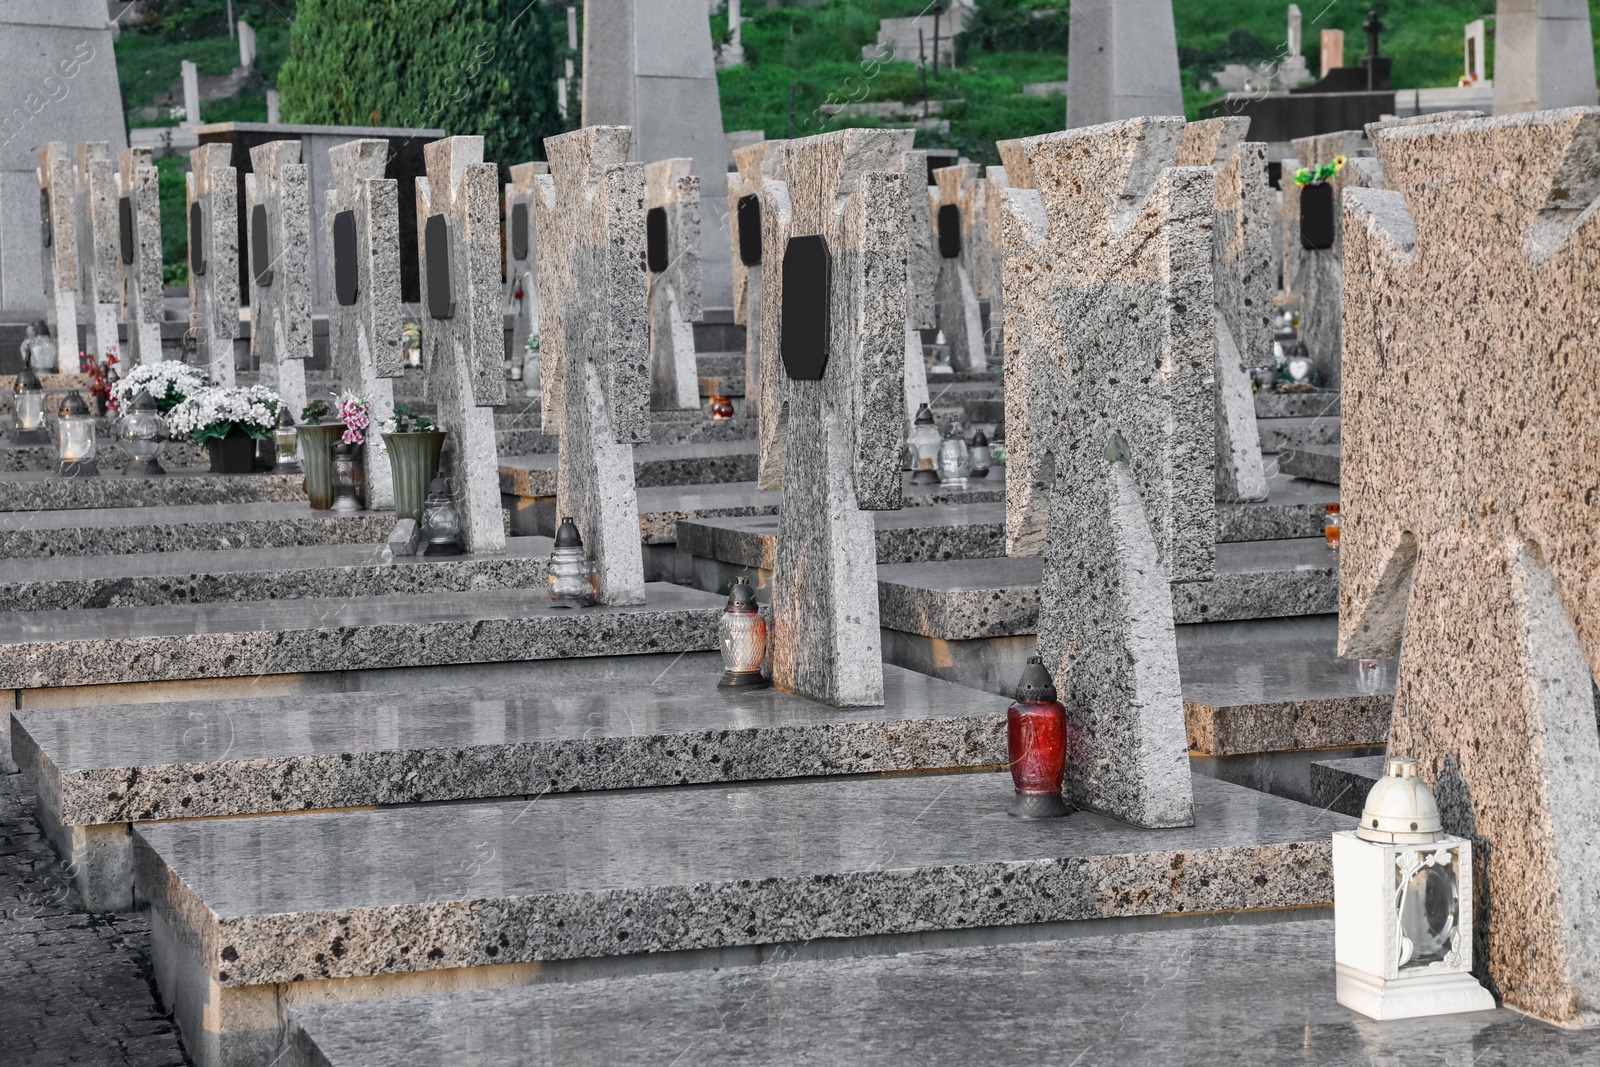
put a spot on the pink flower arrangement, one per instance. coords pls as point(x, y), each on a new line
point(353, 411)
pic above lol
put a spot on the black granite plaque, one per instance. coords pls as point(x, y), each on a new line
point(1316, 216)
point(439, 245)
point(655, 239)
point(125, 226)
point(344, 258)
point(197, 238)
point(260, 246)
point(803, 341)
point(949, 231)
point(519, 232)
point(750, 230)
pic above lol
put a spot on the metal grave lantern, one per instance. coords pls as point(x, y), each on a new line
point(27, 403)
point(142, 434)
point(75, 443)
point(1402, 906)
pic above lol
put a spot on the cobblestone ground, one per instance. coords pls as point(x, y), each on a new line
point(74, 987)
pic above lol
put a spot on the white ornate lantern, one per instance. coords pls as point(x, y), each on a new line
point(1402, 906)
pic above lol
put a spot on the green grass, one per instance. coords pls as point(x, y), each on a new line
point(174, 225)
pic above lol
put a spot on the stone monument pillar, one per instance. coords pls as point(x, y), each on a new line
point(1543, 55)
point(522, 259)
point(674, 282)
point(922, 271)
point(1107, 263)
point(99, 242)
point(650, 66)
point(1469, 472)
point(1122, 61)
point(1243, 280)
point(960, 317)
point(595, 345)
point(832, 337)
point(362, 236)
point(756, 163)
point(58, 243)
point(139, 208)
point(213, 220)
point(278, 221)
point(463, 333)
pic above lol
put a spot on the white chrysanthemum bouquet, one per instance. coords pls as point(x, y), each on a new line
point(170, 382)
point(215, 411)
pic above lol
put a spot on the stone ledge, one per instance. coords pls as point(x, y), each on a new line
point(1342, 785)
point(197, 527)
point(45, 491)
point(1317, 463)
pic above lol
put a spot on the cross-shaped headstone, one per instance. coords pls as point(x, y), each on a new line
point(139, 214)
point(672, 238)
point(463, 333)
point(522, 257)
point(213, 222)
point(1242, 273)
point(595, 344)
point(1470, 466)
point(754, 164)
point(833, 337)
point(99, 244)
point(956, 291)
point(361, 224)
point(922, 268)
point(1109, 292)
point(278, 223)
point(58, 220)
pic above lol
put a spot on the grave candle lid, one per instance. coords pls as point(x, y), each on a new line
point(567, 534)
point(1400, 808)
point(1035, 685)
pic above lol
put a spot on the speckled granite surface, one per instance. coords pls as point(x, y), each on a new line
point(50, 648)
point(1276, 435)
point(427, 888)
point(43, 491)
point(16, 458)
point(325, 571)
point(934, 532)
point(1297, 405)
point(119, 763)
point(1342, 785)
point(1293, 508)
point(1248, 995)
point(1317, 463)
point(700, 463)
point(113, 531)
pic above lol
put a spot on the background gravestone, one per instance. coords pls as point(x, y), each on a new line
point(846, 429)
point(960, 317)
point(1244, 283)
point(57, 224)
point(755, 163)
point(1312, 275)
point(213, 215)
point(464, 351)
point(922, 312)
point(99, 246)
point(139, 183)
point(595, 346)
point(364, 335)
point(1108, 261)
point(1543, 55)
point(675, 288)
point(1469, 514)
point(278, 245)
point(522, 256)
point(1122, 61)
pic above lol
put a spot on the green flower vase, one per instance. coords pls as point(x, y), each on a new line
point(316, 453)
point(414, 462)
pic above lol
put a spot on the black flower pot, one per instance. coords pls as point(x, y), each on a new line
point(233, 454)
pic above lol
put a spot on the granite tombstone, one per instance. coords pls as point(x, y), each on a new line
point(213, 220)
point(754, 164)
point(139, 225)
point(58, 241)
point(959, 259)
point(278, 210)
point(99, 246)
point(522, 261)
point(672, 252)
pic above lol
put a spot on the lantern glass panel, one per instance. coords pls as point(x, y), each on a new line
point(1428, 907)
point(744, 641)
point(30, 410)
point(75, 439)
point(924, 442)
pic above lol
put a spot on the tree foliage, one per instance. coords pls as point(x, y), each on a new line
point(484, 67)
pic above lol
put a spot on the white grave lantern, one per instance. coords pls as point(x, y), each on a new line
point(1402, 906)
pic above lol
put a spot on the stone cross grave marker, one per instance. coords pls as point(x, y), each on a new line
point(278, 227)
point(1241, 270)
point(833, 336)
point(956, 290)
point(595, 347)
point(213, 222)
point(362, 236)
point(754, 164)
point(58, 220)
point(99, 244)
point(672, 244)
point(522, 257)
point(139, 248)
point(1470, 466)
point(922, 313)
point(1108, 292)
point(463, 335)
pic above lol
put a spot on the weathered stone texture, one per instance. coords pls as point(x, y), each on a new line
point(1470, 465)
point(754, 164)
point(464, 355)
point(59, 259)
point(675, 292)
point(280, 300)
point(845, 432)
point(956, 289)
point(142, 306)
point(1108, 294)
point(595, 344)
point(212, 182)
point(522, 275)
point(99, 245)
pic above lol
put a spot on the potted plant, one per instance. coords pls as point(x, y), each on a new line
point(412, 443)
point(354, 414)
point(316, 452)
point(228, 421)
point(168, 382)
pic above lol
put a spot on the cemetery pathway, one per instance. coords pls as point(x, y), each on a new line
point(74, 987)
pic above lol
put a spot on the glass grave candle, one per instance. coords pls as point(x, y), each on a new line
point(924, 446)
point(142, 434)
point(75, 443)
point(344, 479)
point(721, 408)
point(742, 631)
point(571, 574)
point(286, 443)
point(980, 456)
point(1330, 525)
point(27, 401)
point(1036, 741)
point(441, 523)
point(955, 459)
point(941, 356)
